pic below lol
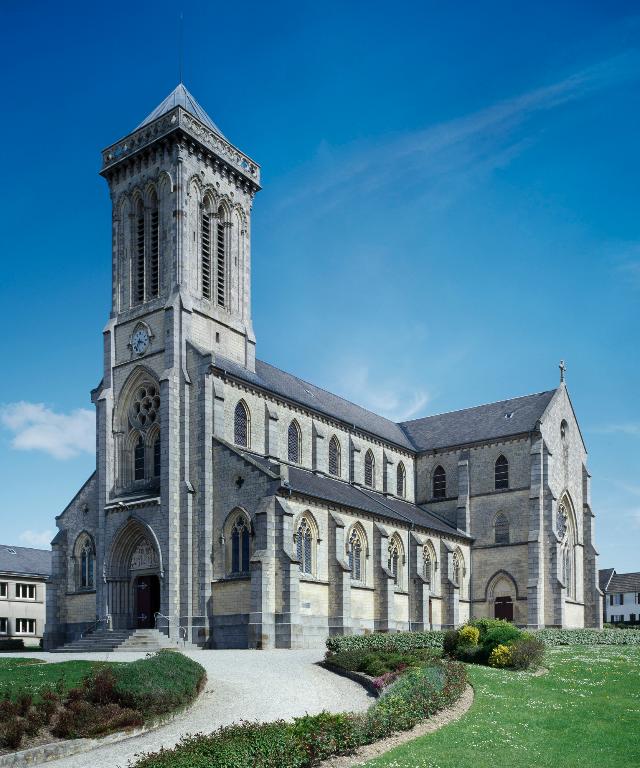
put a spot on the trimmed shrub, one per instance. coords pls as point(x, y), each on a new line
point(500, 656)
point(11, 644)
point(527, 652)
point(469, 635)
point(551, 637)
point(382, 641)
point(500, 635)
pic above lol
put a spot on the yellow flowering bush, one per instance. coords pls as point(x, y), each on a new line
point(469, 635)
point(500, 656)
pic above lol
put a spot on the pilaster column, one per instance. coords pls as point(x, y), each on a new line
point(262, 620)
point(463, 514)
point(339, 579)
point(384, 596)
point(535, 565)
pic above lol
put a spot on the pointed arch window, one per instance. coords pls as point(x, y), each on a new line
point(439, 483)
point(138, 459)
point(566, 532)
point(293, 442)
point(334, 457)
point(394, 562)
point(240, 545)
point(401, 478)
point(205, 254)
point(156, 456)
point(221, 257)
point(501, 473)
point(369, 469)
point(154, 248)
point(458, 569)
point(241, 424)
point(139, 260)
point(304, 546)
point(86, 562)
point(428, 565)
point(501, 529)
point(356, 547)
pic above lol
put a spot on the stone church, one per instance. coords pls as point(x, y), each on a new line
point(237, 505)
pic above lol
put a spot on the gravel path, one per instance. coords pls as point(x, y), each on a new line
point(241, 685)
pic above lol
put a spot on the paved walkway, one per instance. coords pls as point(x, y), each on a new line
point(241, 685)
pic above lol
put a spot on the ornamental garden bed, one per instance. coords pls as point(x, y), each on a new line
point(419, 692)
point(41, 703)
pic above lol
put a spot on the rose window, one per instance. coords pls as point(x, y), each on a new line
point(145, 409)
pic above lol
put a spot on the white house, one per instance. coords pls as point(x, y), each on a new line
point(622, 596)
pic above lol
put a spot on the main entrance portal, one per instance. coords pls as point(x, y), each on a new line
point(147, 600)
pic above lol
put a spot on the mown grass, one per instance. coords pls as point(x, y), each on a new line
point(31, 676)
point(584, 712)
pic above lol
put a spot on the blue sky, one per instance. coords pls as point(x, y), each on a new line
point(450, 206)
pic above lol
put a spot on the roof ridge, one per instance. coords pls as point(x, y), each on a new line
point(19, 546)
point(474, 407)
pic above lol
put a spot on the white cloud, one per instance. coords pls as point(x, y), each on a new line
point(623, 428)
point(391, 398)
point(36, 538)
point(447, 156)
point(37, 428)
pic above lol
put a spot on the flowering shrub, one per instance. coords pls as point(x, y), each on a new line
point(469, 635)
point(500, 656)
point(384, 680)
point(551, 637)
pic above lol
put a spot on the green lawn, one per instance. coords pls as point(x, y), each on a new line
point(585, 712)
point(18, 675)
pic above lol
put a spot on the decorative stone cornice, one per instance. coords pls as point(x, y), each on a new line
point(180, 120)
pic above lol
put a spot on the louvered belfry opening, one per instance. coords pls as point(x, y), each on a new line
point(140, 254)
point(221, 254)
point(206, 255)
point(334, 457)
point(154, 252)
point(294, 442)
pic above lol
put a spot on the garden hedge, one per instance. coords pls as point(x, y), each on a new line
point(409, 641)
point(551, 637)
point(382, 641)
point(300, 744)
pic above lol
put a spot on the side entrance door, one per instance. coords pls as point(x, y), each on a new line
point(504, 608)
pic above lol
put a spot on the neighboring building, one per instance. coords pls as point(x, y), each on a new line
point(254, 509)
point(621, 596)
point(23, 576)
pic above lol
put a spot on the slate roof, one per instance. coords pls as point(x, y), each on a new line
point(180, 97)
point(604, 577)
point(624, 582)
point(25, 561)
point(484, 422)
point(356, 497)
point(292, 388)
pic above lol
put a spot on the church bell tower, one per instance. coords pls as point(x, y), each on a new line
point(182, 198)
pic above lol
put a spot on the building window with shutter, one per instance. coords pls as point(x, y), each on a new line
point(154, 249)
point(221, 258)
point(139, 254)
point(205, 255)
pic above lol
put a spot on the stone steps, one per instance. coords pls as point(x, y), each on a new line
point(142, 640)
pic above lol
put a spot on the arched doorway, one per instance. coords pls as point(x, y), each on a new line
point(133, 576)
point(503, 608)
point(147, 597)
point(501, 596)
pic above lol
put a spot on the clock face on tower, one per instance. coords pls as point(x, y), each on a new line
point(140, 341)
